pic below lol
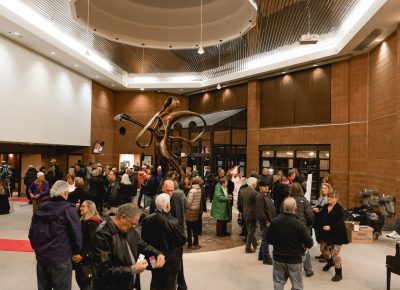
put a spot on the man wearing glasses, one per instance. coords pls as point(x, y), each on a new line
point(117, 248)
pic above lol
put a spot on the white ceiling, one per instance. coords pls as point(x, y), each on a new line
point(16, 16)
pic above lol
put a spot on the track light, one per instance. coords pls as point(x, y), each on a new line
point(219, 86)
point(201, 50)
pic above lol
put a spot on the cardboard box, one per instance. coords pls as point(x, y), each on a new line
point(354, 226)
point(363, 236)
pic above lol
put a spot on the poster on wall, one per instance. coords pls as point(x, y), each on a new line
point(98, 147)
point(146, 160)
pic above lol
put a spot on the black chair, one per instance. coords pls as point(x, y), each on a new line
point(392, 265)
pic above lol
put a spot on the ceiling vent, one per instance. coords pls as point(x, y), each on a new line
point(371, 37)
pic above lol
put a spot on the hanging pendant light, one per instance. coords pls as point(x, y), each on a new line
point(201, 49)
point(142, 89)
point(219, 63)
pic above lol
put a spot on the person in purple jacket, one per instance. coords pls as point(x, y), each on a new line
point(56, 237)
point(39, 190)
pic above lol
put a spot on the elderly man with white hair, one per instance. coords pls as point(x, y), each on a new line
point(290, 238)
point(55, 235)
point(247, 205)
point(163, 231)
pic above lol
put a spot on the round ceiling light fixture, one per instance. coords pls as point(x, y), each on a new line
point(161, 23)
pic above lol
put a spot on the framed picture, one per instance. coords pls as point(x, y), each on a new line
point(98, 147)
point(147, 160)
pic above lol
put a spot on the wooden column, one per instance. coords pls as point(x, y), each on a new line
point(253, 126)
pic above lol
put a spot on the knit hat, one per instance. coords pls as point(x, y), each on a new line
point(39, 174)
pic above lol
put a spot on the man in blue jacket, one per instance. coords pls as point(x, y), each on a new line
point(55, 235)
point(290, 239)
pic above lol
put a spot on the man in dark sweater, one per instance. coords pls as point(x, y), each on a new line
point(290, 238)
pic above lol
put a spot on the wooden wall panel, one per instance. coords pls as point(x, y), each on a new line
point(267, 101)
point(284, 101)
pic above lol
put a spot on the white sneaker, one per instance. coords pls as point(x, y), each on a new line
point(392, 234)
point(396, 236)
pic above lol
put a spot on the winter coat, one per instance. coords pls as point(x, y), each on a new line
point(164, 232)
point(44, 194)
point(289, 238)
point(304, 211)
point(30, 176)
point(219, 209)
point(193, 203)
point(55, 232)
point(126, 192)
point(247, 203)
point(265, 208)
point(335, 219)
point(112, 260)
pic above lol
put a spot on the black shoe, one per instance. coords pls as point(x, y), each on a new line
point(249, 251)
point(322, 260)
point(260, 258)
point(189, 246)
point(310, 274)
point(338, 275)
point(319, 257)
point(268, 262)
point(328, 265)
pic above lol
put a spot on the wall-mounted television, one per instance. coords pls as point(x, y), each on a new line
point(98, 147)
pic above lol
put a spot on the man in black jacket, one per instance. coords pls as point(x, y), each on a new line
point(290, 238)
point(163, 231)
point(116, 251)
point(265, 213)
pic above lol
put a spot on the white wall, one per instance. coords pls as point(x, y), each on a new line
point(40, 101)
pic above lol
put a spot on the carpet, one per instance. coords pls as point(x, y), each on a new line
point(19, 199)
point(15, 245)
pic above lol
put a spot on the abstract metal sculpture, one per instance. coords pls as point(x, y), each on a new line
point(160, 126)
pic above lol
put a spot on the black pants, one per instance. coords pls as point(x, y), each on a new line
point(221, 228)
point(139, 201)
point(251, 234)
point(193, 228)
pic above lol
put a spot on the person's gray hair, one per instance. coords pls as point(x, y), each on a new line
point(128, 210)
point(289, 205)
point(129, 171)
point(59, 188)
point(162, 201)
point(97, 172)
point(79, 182)
point(40, 173)
point(252, 181)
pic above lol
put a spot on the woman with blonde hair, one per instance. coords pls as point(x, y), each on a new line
point(84, 267)
point(326, 188)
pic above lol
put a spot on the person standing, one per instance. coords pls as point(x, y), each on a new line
point(84, 267)
point(305, 214)
point(54, 173)
point(333, 234)
point(265, 213)
point(163, 231)
point(193, 211)
point(55, 235)
point(39, 190)
point(219, 207)
point(247, 205)
point(116, 251)
point(30, 176)
point(289, 238)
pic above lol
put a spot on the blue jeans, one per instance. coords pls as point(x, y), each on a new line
point(307, 262)
point(58, 277)
point(283, 271)
point(264, 248)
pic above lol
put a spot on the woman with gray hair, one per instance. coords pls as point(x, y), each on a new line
point(39, 190)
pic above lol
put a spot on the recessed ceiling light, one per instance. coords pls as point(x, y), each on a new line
point(96, 76)
point(15, 33)
point(283, 72)
point(142, 89)
point(75, 65)
point(181, 90)
point(113, 85)
point(53, 53)
point(314, 65)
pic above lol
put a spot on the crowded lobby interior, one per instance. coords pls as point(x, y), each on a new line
point(199, 144)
